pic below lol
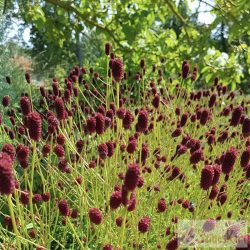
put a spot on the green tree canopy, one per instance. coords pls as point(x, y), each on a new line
point(162, 30)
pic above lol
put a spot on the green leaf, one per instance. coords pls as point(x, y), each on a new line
point(208, 78)
point(205, 69)
point(29, 226)
point(233, 86)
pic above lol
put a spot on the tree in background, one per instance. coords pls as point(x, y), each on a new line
point(73, 32)
point(12, 64)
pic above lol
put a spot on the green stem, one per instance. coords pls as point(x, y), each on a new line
point(13, 221)
point(75, 233)
point(107, 85)
point(143, 87)
point(117, 94)
point(123, 226)
point(31, 96)
point(32, 181)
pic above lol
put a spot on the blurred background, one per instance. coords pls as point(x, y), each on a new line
point(48, 37)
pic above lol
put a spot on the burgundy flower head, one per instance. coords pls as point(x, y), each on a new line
point(107, 247)
point(8, 222)
point(228, 160)
point(46, 196)
point(185, 69)
point(32, 233)
point(95, 216)
point(6, 101)
point(156, 101)
point(131, 204)
point(214, 192)
point(27, 77)
point(117, 69)
point(132, 177)
point(7, 179)
point(24, 197)
point(236, 115)
point(42, 91)
point(63, 207)
point(217, 173)
point(222, 198)
point(245, 157)
point(60, 109)
point(184, 118)
point(63, 165)
point(46, 150)
point(59, 150)
point(107, 48)
point(25, 105)
point(142, 63)
point(79, 145)
point(144, 224)
point(246, 127)
point(34, 126)
point(121, 113)
point(177, 111)
point(131, 146)
point(92, 164)
point(173, 244)
point(60, 139)
point(176, 132)
point(36, 198)
point(204, 116)
point(118, 221)
point(91, 125)
point(10, 150)
point(207, 175)
point(22, 152)
point(115, 199)
point(194, 74)
point(196, 156)
point(103, 150)
point(127, 120)
point(74, 213)
point(223, 137)
point(55, 88)
point(24, 163)
point(212, 100)
point(110, 146)
point(100, 123)
point(143, 120)
point(8, 79)
point(161, 206)
point(144, 153)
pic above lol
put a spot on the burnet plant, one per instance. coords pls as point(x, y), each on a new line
point(112, 168)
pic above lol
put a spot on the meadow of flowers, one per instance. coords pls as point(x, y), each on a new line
point(117, 161)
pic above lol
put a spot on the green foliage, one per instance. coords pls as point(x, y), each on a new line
point(66, 33)
point(7, 51)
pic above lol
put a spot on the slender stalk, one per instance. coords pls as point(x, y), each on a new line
point(107, 85)
point(13, 220)
point(30, 89)
point(75, 233)
point(32, 182)
point(123, 227)
point(143, 87)
point(117, 94)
